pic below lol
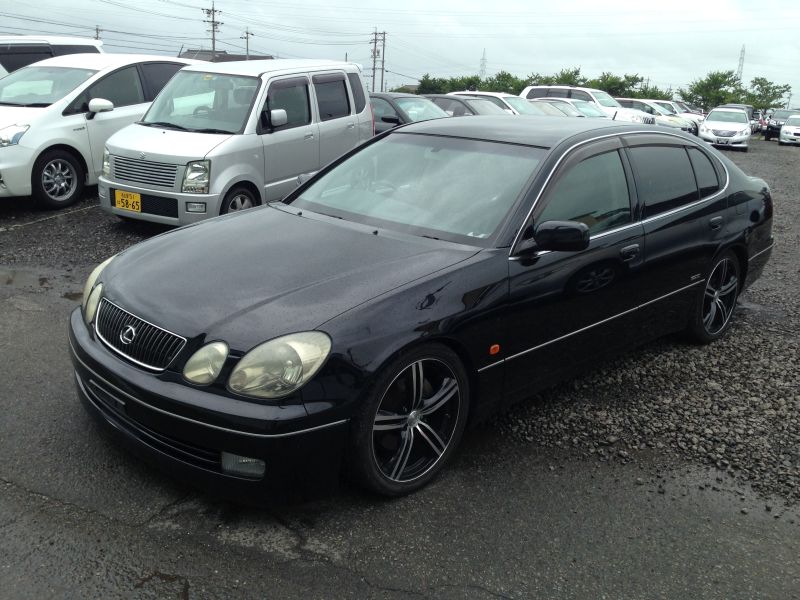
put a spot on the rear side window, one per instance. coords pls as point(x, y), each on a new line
point(581, 95)
point(15, 58)
point(292, 96)
point(537, 93)
point(332, 97)
point(156, 76)
point(664, 178)
point(358, 91)
point(704, 172)
point(62, 49)
point(594, 192)
point(558, 93)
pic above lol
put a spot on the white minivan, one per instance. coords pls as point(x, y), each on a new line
point(230, 136)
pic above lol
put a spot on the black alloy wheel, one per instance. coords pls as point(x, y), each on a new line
point(411, 422)
point(713, 316)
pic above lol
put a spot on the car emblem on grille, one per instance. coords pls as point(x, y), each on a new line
point(142, 155)
point(127, 335)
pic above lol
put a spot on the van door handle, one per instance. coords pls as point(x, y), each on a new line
point(351, 125)
point(715, 223)
point(308, 136)
point(629, 252)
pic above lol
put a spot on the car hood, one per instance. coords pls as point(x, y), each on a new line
point(726, 125)
point(623, 114)
point(163, 145)
point(20, 115)
point(252, 276)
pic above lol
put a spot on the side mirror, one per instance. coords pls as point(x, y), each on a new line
point(278, 117)
point(392, 120)
point(303, 177)
point(98, 105)
point(562, 236)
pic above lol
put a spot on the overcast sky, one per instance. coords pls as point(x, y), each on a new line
point(670, 42)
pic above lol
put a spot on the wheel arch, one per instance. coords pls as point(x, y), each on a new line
point(245, 183)
point(71, 150)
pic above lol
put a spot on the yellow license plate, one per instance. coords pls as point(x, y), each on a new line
point(128, 200)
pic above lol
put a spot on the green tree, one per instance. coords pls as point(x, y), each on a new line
point(764, 94)
point(652, 92)
point(718, 87)
point(615, 85)
point(433, 85)
point(503, 82)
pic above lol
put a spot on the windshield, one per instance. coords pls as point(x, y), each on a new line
point(420, 109)
point(484, 107)
point(40, 86)
point(794, 120)
point(588, 109)
point(778, 114)
point(605, 100)
point(660, 109)
point(667, 107)
point(448, 188)
point(203, 102)
point(727, 116)
point(565, 108)
point(521, 105)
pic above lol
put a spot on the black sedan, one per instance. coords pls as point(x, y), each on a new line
point(392, 109)
point(416, 285)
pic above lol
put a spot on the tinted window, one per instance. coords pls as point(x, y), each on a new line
point(581, 95)
point(704, 172)
point(594, 192)
point(664, 178)
point(558, 93)
point(382, 108)
point(537, 93)
point(17, 60)
point(626, 103)
point(291, 96)
point(122, 87)
point(332, 99)
point(358, 91)
point(61, 49)
point(156, 76)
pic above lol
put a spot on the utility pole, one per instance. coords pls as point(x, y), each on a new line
point(482, 70)
point(246, 37)
point(741, 64)
point(97, 31)
point(383, 58)
point(374, 55)
point(211, 13)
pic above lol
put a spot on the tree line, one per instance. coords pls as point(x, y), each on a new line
point(718, 87)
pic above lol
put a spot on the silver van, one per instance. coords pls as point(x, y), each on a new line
point(230, 136)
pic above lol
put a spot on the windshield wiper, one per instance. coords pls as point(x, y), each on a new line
point(162, 124)
point(211, 130)
point(12, 104)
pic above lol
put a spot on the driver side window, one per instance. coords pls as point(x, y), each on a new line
point(594, 192)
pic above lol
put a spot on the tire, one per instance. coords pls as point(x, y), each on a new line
point(57, 179)
point(402, 433)
point(767, 137)
point(745, 149)
point(712, 314)
point(238, 198)
point(780, 143)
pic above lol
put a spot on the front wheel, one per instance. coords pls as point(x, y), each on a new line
point(239, 198)
point(57, 179)
point(767, 137)
point(410, 421)
point(712, 315)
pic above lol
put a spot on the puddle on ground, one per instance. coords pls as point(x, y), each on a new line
point(74, 296)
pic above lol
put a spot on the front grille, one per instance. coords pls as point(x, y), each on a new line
point(145, 344)
point(110, 402)
point(144, 171)
point(721, 133)
point(649, 120)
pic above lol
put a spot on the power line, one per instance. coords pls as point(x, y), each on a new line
point(211, 13)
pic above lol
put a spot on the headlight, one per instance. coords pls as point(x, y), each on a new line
point(90, 307)
point(205, 364)
point(106, 163)
point(196, 177)
point(773, 122)
point(744, 131)
point(87, 289)
point(11, 135)
point(281, 366)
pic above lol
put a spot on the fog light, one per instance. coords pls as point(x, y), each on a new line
point(242, 465)
point(196, 207)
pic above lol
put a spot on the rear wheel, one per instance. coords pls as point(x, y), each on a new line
point(712, 316)
point(239, 198)
point(57, 179)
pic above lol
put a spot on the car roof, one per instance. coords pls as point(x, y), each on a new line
point(729, 109)
point(529, 130)
point(273, 66)
point(101, 61)
point(48, 39)
point(470, 93)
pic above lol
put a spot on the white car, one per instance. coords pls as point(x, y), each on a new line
point(662, 116)
point(729, 127)
point(675, 109)
point(17, 51)
point(513, 105)
point(599, 98)
point(790, 131)
point(56, 115)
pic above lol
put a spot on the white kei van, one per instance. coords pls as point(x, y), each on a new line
point(230, 136)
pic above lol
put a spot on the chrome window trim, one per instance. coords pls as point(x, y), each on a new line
point(582, 329)
point(759, 253)
point(133, 360)
point(648, 220)
point(187, 419)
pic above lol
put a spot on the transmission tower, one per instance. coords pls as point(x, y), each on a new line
point(482, 71)
point(211, 13)
point(741, 64)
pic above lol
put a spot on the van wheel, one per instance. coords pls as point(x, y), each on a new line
point(239, 198)
point(57, 179)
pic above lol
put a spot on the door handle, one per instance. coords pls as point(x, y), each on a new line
point(308, 136)
point(629, 252)
point(351, 125)
point(715, 223)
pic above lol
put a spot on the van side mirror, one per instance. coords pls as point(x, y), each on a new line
point(98, 105)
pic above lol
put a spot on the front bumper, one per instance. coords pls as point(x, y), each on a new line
point(182, 430)
point(736, 141)
point(787, 137)
point(16, 164)
point(159, 206)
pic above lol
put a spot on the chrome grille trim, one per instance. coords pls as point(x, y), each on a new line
point(144, 171)
point(153, 347)
point(723, 133)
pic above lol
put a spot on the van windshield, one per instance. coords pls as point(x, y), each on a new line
point(40, 86)
point(203, 102)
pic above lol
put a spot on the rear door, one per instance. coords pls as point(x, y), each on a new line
point(291, 149)
point(337, 119)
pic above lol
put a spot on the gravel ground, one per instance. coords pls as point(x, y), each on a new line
point(733, 405)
